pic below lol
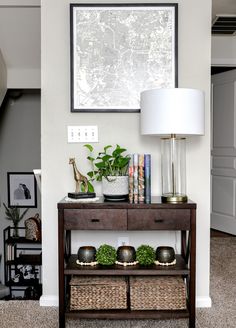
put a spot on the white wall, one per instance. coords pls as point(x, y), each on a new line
point(223, 50)
point(57, 179)
point(23, 78)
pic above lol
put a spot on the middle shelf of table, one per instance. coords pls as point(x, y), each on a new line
point(72, 268)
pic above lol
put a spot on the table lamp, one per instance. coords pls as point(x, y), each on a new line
point(175, 113)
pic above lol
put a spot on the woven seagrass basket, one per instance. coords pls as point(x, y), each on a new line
point(157, 293)
point(98, 293)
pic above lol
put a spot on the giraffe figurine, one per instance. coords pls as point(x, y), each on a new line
point(79, 178)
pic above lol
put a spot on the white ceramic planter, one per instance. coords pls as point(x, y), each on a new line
point(117, 188)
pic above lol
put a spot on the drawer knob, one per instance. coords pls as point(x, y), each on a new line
point(158, 220)
point(95, 220)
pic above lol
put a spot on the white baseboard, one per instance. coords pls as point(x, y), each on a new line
point(203, 302)
point(49, 300)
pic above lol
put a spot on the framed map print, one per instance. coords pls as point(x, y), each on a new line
point(119, 50)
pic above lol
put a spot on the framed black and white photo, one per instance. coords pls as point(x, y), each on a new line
point(119, 50)
point(22, 190)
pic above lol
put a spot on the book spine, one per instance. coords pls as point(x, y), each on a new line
point(131, 179)
point(147, 177)
point(135, 178)
point(141, 178)
point(8, 252)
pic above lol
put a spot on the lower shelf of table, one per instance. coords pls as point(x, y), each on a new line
point(127, 314)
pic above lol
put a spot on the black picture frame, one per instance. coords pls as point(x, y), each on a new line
point(22, 189)
point(102, 79)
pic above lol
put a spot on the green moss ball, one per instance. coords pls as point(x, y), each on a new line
point(106, 255)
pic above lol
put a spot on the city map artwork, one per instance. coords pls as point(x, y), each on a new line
point(117, 51)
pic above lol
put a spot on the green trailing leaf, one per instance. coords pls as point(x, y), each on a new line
point(106, 158)
point(107, 147)
point(90, 187)
point(91, 158)
point(100, 165)
point(90, 148)
point(90, 174)
point(118, 151)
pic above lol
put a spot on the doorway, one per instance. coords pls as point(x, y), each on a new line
point(223, 149)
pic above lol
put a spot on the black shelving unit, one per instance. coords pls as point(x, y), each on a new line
point(22, 265)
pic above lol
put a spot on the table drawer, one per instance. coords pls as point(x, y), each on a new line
point(95, 219)
point(158, 219)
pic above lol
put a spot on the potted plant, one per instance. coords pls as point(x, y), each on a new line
point(106, 255)
point(13, 214)
point(145, 255)
point(111, 167)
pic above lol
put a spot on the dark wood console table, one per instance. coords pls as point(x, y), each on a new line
point(125, 216)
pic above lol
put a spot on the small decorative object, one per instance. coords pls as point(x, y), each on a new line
point(145, 255)
point(81, 200)
point(106, 255)
point(86, 263)
point(27, 272)
point(127, 263)
point(84, 188)
point(16, 278)
point(165, 255)
point(126, 254)
point(13, 214)
point(33, 228)
point(112, 170)
point(87, 254)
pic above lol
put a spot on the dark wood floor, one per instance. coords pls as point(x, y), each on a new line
point(216, 233)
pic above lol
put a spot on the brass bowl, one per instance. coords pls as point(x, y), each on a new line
point(165, 254)
point(126, 254)
point(87, 254)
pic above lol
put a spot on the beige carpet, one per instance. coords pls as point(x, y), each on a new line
point(21, 314)
point(222, 314)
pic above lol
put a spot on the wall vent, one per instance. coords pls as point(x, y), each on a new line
point(224, 25)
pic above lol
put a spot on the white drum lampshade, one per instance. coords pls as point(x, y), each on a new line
point(173, 112)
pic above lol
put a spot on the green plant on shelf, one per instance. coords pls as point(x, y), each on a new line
point(107, 162)
point(13, 214)
point(145, 255)
point(106, 255)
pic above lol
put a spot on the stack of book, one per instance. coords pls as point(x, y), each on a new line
point(140, 178)
point(10, 256)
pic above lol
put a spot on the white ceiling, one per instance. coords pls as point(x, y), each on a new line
point(223, 7)
point(20, 36)
point(20, 31)
point(20, 42)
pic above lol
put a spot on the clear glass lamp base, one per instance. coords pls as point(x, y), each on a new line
point(173, 170)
